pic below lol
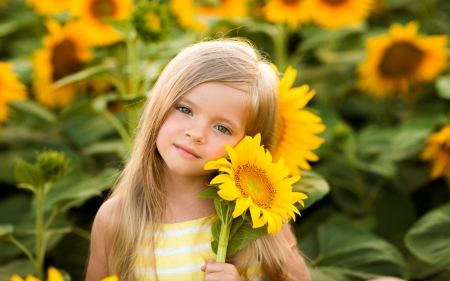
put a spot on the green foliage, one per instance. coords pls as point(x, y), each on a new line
point(429, 237)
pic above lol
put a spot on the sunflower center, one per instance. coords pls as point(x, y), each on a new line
point(290, 2)
point(253, 181)
point(103, 8)
point(64, 60)
point(154, 22)
point(401, 59)
point(335, 2)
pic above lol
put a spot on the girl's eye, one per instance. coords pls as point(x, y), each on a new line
point(184, 110)
point(223, 129)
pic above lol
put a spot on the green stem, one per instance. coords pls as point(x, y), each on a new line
point(223, 242)
point(39, 262)
point(23, 248)
point(119, 127)
point(51, 218)
point(81, 232)
point(280, 41)
point(133, 49)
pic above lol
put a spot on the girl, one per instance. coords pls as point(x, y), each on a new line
point(153, 227)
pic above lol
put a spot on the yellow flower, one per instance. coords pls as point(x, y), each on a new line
point(92, 12)
point(438, 152)
point(10, 89)
point(54, 275)
point(63, 53)
point(292, 12)
point(49, 7)
point(296, 127)
point(337, 13)
point(226, 9)
point(257, 184)
point(401, 58)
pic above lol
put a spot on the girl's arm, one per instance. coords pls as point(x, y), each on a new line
point(297, 267)
point(103, 231)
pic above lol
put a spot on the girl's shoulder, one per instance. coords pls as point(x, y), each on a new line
point(107, 218)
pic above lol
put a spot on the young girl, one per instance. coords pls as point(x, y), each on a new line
point(153, 227)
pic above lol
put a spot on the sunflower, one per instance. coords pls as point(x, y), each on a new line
point(296, 127)
point(225, 9)
point(49, 7)
point(63, 53)
point(401, 58)
point(257, 184)
point(10, 89)
point(438, 152)
point(337, 13)
point(91, 13)
point(292, 12)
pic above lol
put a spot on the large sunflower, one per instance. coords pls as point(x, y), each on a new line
point(91, 13)
point(396, 60)
point(297, 128)
point(337, 13)
point(48, 7)
point(10, 89)
point(292, 12)
point(257, 184)
point(63, 53)
point(438, 152)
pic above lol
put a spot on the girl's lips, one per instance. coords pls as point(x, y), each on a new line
point(186, 152)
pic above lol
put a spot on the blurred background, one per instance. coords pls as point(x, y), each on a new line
point(368, 129)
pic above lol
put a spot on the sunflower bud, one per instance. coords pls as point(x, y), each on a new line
point(341, 132)
point(53, 165)
point(151, 21)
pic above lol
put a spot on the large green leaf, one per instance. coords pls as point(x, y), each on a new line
point(244, 236)
point(429, 238)
point(313, 185)
point(85, 129)
point(75, 189)
point(34, 109)
point(29, 176)
point(443, 87)
point(6, 230)
point(353, 254)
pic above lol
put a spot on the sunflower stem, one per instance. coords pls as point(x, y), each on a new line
point(223, 241)
point(39, 262)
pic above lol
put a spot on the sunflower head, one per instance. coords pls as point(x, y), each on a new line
point(402, 58)
point(151, 21)
point(256, 184)
point(10, 89)
point(296, 127)
point(437, 151)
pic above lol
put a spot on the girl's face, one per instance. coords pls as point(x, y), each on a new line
point(198, 126)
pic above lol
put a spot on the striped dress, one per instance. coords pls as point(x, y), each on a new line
point(180, 250)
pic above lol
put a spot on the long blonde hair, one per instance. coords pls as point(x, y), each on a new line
point(234, 63)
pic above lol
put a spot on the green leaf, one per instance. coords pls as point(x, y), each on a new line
point(20, 267)
point(87, 128)
point(313, 185)
point(80, 75)
point(34, 109)
point(210, 192)
point(6, 231)
point(332, 273)
point(29, 176)
point(443, 87)
point(75, 189)
point(110, 146)
point(215, 230)
point(244, 236)
point(101, 103)
point(429, 238)
point(224, 210)
point(355, 253)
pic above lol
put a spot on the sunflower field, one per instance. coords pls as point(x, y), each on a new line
point(365, 121)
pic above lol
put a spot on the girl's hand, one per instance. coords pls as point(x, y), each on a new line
point(220, 271)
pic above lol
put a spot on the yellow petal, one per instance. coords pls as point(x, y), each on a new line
point(54, 275)
point(241, 206)
point(221, 179)
point(111, 278)
point(16, 277)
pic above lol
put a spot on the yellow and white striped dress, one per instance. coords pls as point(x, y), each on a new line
point(180, 250)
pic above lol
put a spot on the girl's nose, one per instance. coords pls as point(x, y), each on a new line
point(196, 133)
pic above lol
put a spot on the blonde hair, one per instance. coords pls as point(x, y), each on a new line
point(233, 63)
